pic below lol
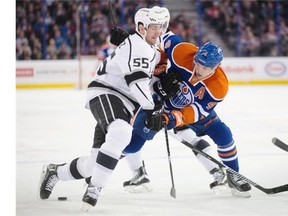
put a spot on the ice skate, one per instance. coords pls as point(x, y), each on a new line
point(48, 180)
point(219, 185)
point(90, 197)
point(238, 187)
point(140, 183)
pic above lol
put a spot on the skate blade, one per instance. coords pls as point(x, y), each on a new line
point(42, 176)
point(143, 188)
point(244, 194)
point(85, 207)
point(220, 189)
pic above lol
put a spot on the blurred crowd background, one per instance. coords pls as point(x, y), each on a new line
point(58, 29)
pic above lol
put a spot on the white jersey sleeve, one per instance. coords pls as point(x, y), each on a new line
point(129, 70)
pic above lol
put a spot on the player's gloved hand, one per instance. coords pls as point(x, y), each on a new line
point(154, 117)
point(160, 69)
point(168, 85)
point(117, 36)
point(173, 119)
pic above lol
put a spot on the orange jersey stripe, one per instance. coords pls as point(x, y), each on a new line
point(228, 154)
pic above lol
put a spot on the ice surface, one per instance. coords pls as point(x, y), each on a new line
point(54, 126)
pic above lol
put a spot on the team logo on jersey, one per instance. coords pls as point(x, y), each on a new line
point(167, 44)
point(183, 97)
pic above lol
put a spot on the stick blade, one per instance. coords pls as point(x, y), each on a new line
point(173, 192)
point(280, 144)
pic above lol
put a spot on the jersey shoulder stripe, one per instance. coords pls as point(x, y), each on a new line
point(217, 84)
point(183, 55)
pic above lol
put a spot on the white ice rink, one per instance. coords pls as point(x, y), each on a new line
point(53, 126)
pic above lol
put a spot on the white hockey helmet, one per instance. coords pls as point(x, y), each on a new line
point(166, 17)
point(147, 16)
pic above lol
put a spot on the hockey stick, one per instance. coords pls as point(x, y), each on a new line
point(173, 190)
point(111, 14)
point(280, 144)
point(273, 190)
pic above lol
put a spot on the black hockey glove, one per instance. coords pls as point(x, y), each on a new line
point(154, 117)
point(168, 85)
point(117, 36)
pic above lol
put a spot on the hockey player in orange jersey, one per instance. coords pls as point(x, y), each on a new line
point(203, 85)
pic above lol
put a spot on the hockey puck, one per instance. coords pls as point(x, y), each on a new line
point(62, 198)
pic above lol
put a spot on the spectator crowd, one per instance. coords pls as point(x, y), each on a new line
point(58, 29)
point(250, 27)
